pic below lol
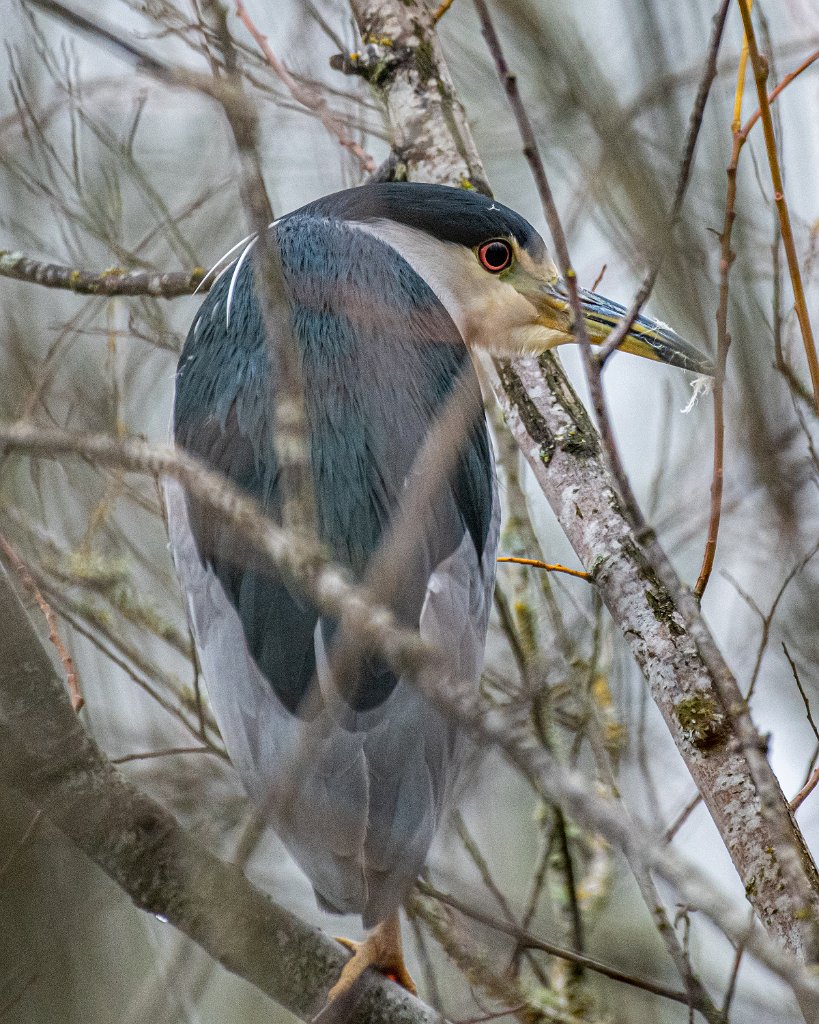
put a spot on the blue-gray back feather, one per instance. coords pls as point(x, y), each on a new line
point(380, 355)
point(356, 798)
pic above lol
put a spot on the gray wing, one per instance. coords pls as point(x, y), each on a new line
point(356, 797)
point(315, 779)
point(412, 799)
point(308, 778)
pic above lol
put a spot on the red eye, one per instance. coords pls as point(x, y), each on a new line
point(495, 256)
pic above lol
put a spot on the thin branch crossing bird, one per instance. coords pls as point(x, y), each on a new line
point(390, 286)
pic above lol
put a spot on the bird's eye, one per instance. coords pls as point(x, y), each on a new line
point(495, 256)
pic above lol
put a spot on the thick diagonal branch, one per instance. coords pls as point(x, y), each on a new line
point(688, 678)
point(561, 446)
point(47, 756)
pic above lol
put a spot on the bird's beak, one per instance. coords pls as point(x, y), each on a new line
point(649, 338)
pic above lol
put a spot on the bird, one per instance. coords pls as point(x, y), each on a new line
point(391, 289)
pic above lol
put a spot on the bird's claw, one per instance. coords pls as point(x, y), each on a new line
point(381, 950)
point(350, 944)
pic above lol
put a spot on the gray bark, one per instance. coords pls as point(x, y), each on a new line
point(689, 681)
point(47, 756)
point(561, 446)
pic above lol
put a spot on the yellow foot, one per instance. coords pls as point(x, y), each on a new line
point(382, 950)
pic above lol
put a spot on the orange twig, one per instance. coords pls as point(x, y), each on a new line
point(760, 75)
point(545, 565)
point(19, 566)
point(441, 10)
point(774, 93)
point(736, 121)
point(740, 137)
point(305, 95)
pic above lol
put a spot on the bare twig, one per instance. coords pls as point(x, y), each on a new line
point(727, 257)
point(290, 429)
point(535, 563)
point(774, 93)
point(768, 617)
point(730, 989)
point(805, 791)
point(480, 862)
point(530, 151)
point(571, 899)
point(723, 338)
point(306, 95)
point(441, 9)
point(476, 963)
point(149, 755)
point(114, 281)
point(538, 881)
point(431, 987)
point(599, 279)
point(760, 77)
point(697, 996)
point(813, 778)
point(529, 941)
point(290, 433)
point(20, 567)
point(107, 35)
point(739, 91)
point(682, 817)
point(801, 689)
point(512, 634)
point(709, 73)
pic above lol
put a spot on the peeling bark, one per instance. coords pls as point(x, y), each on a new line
point(402, 60)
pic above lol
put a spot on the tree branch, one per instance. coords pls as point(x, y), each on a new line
point(114, 281)
point(49, 758)
point(661, 622)
point(309, 572)
point(760, 67)
point(306, 94)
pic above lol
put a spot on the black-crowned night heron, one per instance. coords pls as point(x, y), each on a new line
point(390, 286)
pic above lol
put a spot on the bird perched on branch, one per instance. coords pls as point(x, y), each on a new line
point(389, 287)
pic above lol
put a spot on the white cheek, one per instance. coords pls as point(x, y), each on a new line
point(488, 312)
point(500, 319)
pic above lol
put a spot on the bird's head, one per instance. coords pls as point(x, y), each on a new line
point(491, 270)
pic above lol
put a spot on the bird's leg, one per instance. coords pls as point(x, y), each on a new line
point(382, 949)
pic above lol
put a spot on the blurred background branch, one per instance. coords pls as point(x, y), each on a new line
point(48, 758)
point(105, 169)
